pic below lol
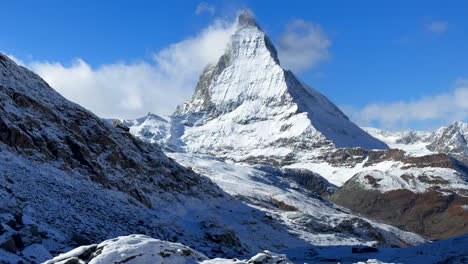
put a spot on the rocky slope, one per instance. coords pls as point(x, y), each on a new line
point(69, 178)
point(427, 195)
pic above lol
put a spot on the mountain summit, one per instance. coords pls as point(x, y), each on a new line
point(247, 107)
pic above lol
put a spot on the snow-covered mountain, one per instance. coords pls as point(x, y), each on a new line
point(247, 110)
point(452, 139)
point(69, 178)
point(246, 107)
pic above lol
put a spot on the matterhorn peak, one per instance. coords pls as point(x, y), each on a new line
point(246, 107)
point(247, 19)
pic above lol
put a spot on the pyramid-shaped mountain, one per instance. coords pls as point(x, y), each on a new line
point(247, 107)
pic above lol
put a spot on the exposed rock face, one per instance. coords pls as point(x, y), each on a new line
point(433, 214)
point(430, 202)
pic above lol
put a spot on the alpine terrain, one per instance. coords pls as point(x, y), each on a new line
point(257, 167)
point(69, 178)
point(249, 112)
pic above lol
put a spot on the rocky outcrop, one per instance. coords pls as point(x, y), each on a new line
point(435, 213)
point(141, 249)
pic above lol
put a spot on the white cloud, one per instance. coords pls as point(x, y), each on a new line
point(129, 90)
point(442, 108)
point(303, 45)
point(205, 7)
point(438, 27)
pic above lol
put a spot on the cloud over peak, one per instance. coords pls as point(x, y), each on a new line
point(129, 90)
point(169, 76)
point(303, 45)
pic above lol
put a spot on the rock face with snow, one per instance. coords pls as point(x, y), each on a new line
point(247, 107)
point(451, 140)
point(427, 194)
point(68, 178)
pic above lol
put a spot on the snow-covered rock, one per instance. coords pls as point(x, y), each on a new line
point(452, 139)
point(247, 107)
point(77, 179)
point(140, 249)
point(291, 201)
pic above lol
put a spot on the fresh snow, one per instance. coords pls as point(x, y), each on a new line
point(247, 107)
point(312, 215)
point(139, 249)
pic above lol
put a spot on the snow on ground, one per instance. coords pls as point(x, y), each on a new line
point(140, 249)
point(310, 217)
point(335, 175)
point(389, 175)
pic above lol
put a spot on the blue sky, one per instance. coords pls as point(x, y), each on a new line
point(394, 57)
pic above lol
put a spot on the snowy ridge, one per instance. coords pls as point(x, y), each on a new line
point(413, 142)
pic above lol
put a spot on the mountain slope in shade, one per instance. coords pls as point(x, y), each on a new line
point(246, 107)
point(69, 178)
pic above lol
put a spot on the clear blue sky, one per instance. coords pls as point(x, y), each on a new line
point(381, 51)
